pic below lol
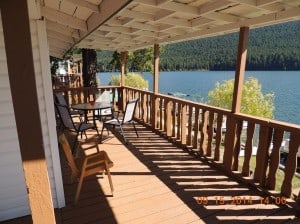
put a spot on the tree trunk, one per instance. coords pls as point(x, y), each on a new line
point(89, 67)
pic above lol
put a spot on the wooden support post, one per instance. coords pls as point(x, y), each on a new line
point(156, 68)
point(20, 66)
point(240, 69)
point(123, 71)
point(231, 137)
point(155, 85)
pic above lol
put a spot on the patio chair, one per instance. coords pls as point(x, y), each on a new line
point(60, 99)
point(70, 125)
point(127, 119)
point(107, 112)
point(86, 165)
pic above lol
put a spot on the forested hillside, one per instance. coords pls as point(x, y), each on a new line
point(270, 48)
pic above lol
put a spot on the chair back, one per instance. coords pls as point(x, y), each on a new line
point(65, 116)
point(68, 153)
point(129, 110)
point(60, 99)
point(104, 97)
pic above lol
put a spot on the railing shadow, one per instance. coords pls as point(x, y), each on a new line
point(208, 192)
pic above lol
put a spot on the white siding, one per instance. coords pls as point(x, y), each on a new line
point(13, 194)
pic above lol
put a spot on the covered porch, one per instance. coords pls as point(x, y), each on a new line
point(181, 157)
point(157, 182)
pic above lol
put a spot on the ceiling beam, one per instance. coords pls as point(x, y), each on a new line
point(223, 17)
point(107, 9)
point(59, 36)
point(64, 19)
point(216, 5)
point(137, 15)
point(85, 4)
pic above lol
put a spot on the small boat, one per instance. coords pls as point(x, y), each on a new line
point(178, 94)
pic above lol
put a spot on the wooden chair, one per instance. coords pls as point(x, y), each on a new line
point(87, 165)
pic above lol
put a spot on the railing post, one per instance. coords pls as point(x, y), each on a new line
point(155, 85)
point(123, 71)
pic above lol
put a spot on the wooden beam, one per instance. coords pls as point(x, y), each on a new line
point(21, 72)
point(123, 66)
point(64, 19)
point(156, 68)
point(85, 4)
point(107, 10)
point(155, 104)
point(124, 55)
point(240, 69)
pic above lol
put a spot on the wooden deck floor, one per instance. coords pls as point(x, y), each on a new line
point(156, 182)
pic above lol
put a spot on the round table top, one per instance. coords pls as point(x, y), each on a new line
point(91, 106)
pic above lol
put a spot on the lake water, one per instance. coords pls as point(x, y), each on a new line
point(197, 84)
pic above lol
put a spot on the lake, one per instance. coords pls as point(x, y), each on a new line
point(197, 84)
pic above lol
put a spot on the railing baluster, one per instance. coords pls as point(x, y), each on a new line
point(274, 158)
point(196, 127)
point(210, 133)
point(265, 135)
point(203, 140)
point(183, 124)
point(161, 113)
point(248, 149)
point(237, 145)
point(291, 161)
point(174, 119)
point(190, 125)
point(168, 119)
point(230, 139)
point(179, 116)
point(218, 137)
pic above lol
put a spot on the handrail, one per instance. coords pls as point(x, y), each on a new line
point(219, 135)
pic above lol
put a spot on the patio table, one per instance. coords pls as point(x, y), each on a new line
point(91, 106)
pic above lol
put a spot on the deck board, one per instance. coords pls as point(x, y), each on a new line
point(156, 182)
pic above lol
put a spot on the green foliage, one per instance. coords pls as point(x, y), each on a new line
point(141, 60)
point(254, 102)
point(270, 48)
point(115, 80)
point(131, 79)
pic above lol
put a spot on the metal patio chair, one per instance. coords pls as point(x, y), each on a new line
point(70, 125)
point(127, 119)
point(60, 99)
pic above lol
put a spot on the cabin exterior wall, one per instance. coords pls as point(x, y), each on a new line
point(13, 194)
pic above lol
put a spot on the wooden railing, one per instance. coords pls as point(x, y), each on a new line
point(219, 136)
point(87, 94)
point(215, 134)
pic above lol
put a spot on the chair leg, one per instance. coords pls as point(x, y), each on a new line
point(135, 129)
point(78, 189)
point(123, 133)
point(110, 181)
point(75, 143)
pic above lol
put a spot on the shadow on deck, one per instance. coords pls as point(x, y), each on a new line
point(156, 182)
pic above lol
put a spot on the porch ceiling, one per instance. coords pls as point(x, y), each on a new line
point(129, 25)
